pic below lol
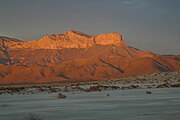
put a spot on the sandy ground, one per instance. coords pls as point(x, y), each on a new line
point(130, 104)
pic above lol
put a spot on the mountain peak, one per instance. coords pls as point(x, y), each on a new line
point(69, 39)
point(75, 32)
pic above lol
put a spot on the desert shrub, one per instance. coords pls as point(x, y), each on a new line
point(3, 104)
point(61, 96)
point(33, 116)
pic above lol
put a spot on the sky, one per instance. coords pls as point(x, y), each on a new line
point(152, 25)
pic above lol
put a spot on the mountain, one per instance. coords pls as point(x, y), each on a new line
point(76, 56)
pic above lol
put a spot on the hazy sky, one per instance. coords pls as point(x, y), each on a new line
point(145, 24)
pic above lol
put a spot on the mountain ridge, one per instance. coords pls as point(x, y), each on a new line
point(69, 39)
point(76, 56)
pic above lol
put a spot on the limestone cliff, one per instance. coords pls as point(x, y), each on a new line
point(70, 39)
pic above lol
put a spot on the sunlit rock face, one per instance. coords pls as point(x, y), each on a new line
point(70, 39)
point(111, 38)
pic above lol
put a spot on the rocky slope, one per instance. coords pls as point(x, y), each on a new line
point(75, 56)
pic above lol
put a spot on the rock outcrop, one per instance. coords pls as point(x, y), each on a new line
point(111, 38)
point(70, 39)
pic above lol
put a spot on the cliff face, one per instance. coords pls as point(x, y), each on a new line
point(70, 39)
point(108, 39)
point(75, 56)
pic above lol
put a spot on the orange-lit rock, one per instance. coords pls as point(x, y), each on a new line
point(70, 39)
point(111, 38)
point(73, 56)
